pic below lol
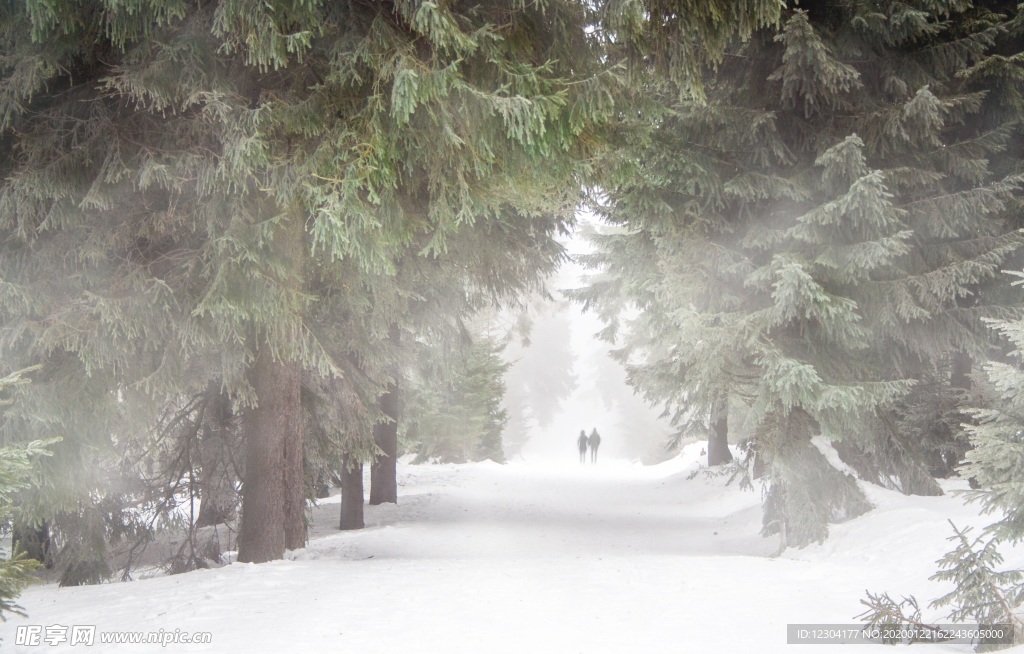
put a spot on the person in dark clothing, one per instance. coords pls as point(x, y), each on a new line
point(595, 441)
point(582, 442)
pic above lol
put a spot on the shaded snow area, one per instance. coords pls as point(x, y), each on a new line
point(536, 557)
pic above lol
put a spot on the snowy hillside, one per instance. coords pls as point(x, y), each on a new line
point(533, 557)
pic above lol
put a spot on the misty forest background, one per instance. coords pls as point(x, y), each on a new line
point(247, 248)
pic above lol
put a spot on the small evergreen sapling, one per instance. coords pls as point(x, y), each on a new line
point(16, 568)
point(982, 593)
point(884, 613)
point(15, 473)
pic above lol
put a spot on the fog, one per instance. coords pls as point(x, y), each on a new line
point(562, 380)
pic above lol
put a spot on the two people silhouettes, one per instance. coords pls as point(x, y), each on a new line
point(593, 442)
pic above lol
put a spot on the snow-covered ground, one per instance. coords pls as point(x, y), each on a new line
point(534, 557)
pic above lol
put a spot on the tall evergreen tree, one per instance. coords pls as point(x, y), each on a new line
point(803, 240)
point(484, 268)
point(457, 404)
point(996, 461)
point(190, 186)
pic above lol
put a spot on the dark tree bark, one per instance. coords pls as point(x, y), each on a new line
point(960, 376)
point(960, 380)
point(292, 246)
point(33, 541)
point(216, 482)
point(322, 487)
point(351, 494)
point(274, 499)
point(294, 483)
point(383, 471)
point(718, 439)
point(267, 427)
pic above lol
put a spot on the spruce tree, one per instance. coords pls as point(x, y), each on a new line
point(803, 239)
point(996, 460)
point(456, 401)
point(189, 188)
point(982, 593)
point(435, 301)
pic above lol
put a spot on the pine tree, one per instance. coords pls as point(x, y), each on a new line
point(804, 239)
point(191, 190)
point(997, 456)
point(457, 404)
point(677, 40)
point(982, 593)
point(483, 269)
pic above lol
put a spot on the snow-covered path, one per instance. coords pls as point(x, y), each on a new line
point(530, 558)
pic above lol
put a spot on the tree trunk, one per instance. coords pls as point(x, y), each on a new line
point(274, 501)
point(33, 541)
point(216, 482)
point(291, 244)
point(267, 426)
point(322, 486)
point(960, 376)
point(718, 439)
point(383, 472)
point(960, 380)
point(294, 479)
point(351, 494)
